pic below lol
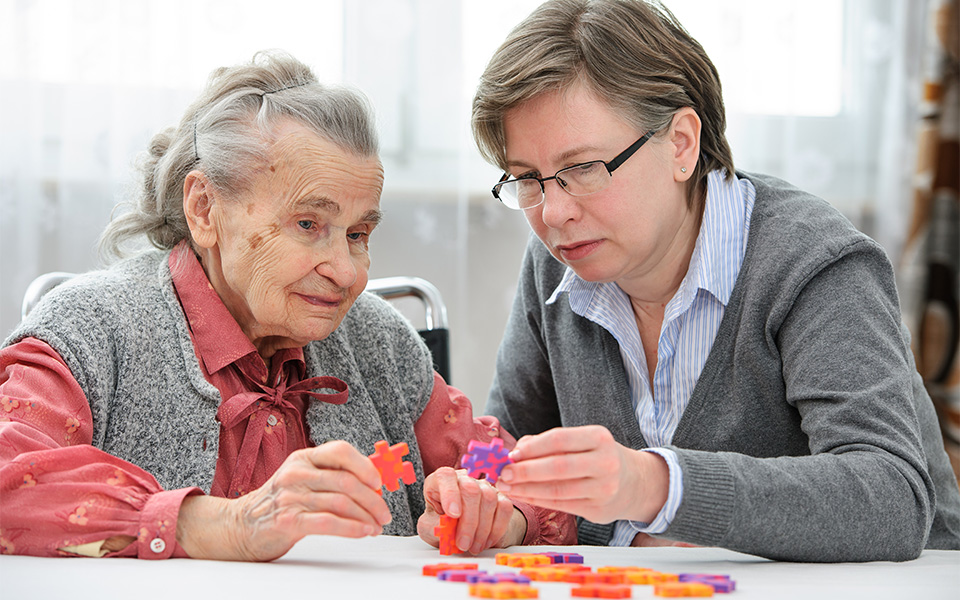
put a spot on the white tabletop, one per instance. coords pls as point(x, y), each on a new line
point(389, 568)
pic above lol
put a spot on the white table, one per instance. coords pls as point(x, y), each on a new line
point(388, 568)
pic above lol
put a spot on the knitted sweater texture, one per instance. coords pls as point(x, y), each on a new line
point(124, 336)
point(809, 435)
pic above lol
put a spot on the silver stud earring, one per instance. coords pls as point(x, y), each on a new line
point(683, 169)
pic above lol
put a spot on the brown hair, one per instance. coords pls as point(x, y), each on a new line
point(633, 54)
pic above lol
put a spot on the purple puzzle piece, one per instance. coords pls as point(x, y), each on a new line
point(722, 584)
point(486, 459)
point(498, 578)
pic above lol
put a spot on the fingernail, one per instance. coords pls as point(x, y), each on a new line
point(464, 543)
point(369, 530)
point(454, 510)
point(503, 486)
point(506, 475)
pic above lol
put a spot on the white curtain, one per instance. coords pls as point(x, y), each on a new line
point(820, 92)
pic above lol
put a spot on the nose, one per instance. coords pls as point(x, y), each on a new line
point(558, 206)
point(338, 265)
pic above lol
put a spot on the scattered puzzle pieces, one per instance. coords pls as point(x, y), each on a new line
point(503, 590)
point(602, 590)
point(446, 532)
point(675, 589)
point(486, 459)
point(432, 570)
point(392, 468)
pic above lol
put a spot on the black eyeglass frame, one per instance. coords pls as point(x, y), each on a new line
point(611, 166)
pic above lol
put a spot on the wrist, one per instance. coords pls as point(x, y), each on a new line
point(203, 529)
point(517, 530)
point(653, 486)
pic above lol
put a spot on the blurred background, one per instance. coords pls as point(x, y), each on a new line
point(853, 100)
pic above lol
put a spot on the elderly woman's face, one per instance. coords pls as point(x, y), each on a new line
point(293, 250)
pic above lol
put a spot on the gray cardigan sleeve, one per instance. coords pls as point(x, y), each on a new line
point(864, 492)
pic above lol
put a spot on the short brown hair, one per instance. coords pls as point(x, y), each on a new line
point(633, 54)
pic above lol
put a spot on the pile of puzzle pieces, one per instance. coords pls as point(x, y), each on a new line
point(605, 582)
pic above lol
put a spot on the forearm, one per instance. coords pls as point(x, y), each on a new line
point(857, 506)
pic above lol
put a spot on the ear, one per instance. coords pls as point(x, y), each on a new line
point(685, 137)
point(198, 207)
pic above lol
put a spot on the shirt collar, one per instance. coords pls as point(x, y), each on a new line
point(716, 258)
point(217, 336)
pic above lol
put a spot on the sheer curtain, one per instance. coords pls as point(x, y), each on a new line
point(823, 93)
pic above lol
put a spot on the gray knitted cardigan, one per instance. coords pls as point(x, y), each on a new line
point(124, 336)
point(809, 435)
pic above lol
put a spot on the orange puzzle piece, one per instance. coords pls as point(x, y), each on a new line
point(602, 590)
point(675, 590)
point(392, 468)
point(432, 570)
point(503, 590)
point(446, 532)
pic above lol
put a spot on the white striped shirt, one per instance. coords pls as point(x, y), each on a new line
point(690, 323)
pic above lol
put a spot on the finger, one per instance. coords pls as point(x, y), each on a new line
point(560, 440)
point(448, 488)
point(501, 521)
point(488, 511)
point(341, 455)
point(561, 467)
point(346, 507)
point(331, 524)
point(345, 483)
point(566, 489)
point(470, 515)
point(426, 526)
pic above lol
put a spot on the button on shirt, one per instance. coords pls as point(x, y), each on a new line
point(690, 323)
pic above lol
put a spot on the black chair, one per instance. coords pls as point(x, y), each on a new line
point(436, 333)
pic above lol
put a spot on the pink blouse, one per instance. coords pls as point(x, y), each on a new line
point(60, 496)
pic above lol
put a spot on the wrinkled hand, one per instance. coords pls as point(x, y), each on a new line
point(487, 518)
point(584, 471)
point(326, 490)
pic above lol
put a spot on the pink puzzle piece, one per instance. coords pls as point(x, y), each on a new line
point(388, 461)
point(487, 459)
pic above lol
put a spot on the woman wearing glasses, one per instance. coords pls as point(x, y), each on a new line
point(695, 353)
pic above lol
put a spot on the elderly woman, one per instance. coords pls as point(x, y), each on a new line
point(695, 353)
point(128, 393)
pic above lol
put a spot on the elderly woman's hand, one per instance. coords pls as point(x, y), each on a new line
point(327, 490)
point(486, 518)
point(585, 472)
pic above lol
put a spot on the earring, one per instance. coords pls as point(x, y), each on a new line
point(683, 169)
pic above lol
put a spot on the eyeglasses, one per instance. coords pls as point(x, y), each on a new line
point(579, 180)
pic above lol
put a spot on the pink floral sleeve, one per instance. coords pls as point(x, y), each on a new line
point(443, 432)
point(60, 496)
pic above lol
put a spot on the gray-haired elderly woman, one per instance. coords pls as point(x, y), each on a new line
point(129, 392)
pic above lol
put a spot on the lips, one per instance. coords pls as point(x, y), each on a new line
point(325, 300)
point(577, 250)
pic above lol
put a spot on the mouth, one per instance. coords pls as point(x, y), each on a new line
point(577, 250)
point(322, 300)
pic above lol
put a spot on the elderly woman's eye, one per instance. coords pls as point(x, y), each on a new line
point(305, 224)
point(358, 235)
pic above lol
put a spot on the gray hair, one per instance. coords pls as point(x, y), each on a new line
point(633, 54)
point(226, 134)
